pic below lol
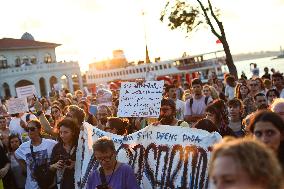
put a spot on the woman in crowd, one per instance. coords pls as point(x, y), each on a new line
point(242, 93)
point(46, 106)
point(271, 95)
point(278, 107)
point(205, 124)
point(268, 127)
point(210, 92)
point(19, 174)
point(260, 85)
point(243, 164)
point(230, 87)
point(117, 175)
point(117, 125)
point(217, 112)
point(89, 118)
point(57, 116)
point(64, 154)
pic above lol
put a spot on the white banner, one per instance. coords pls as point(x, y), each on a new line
point(26, 91)
point(140, 99)
point(17, 105)
point(161, 156)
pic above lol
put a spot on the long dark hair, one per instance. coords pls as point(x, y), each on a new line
point(276, 120)
point(12, 136)
point(70, 124)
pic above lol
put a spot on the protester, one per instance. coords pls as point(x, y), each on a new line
point(266, 74)
point(205, 124)
point(179, 89)
point(117, 175)
point(268, 127)
point(4, 131)
point(171, 93)
point(244, 164)
point(168, 114)
point(103, 113)
point(230, 87)
point(64, 154)
point(34, 153)
point(217, 112)
point(210, 91)
point(89, 118)
point(19, 174)
point(5, 177)
point(277, 81)
point(235, 117)
point(271, 94)
point(195, 106)
point(117, 126)
point(278, 107)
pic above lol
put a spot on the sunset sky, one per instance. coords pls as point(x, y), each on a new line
point(90, 29)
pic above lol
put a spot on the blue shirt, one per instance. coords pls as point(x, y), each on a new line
point(122, 178)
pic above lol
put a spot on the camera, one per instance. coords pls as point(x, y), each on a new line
point(102, 186)
point(65, 160)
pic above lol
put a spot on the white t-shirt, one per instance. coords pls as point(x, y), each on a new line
point(198, 106)
point(180, 106)
point(42, 155)
point(230, 92)
point(15, 127)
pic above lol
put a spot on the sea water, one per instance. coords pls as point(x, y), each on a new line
point(277, 64)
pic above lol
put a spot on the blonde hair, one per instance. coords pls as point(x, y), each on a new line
point(259, 162)
point(277, 105)
point(213, 91)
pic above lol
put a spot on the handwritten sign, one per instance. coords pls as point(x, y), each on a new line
point(17, 105)
point(161, 156)
point(26, 91)
point(140, 99)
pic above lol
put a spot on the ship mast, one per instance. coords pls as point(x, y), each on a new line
point(147, 59)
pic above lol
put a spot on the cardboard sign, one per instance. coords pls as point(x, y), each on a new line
point(17, 105)
point(161, 156)
point(140, 99)
point(26, 91)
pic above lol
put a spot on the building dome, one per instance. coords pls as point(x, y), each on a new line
point(27, 36)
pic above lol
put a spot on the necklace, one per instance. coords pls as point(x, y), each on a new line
point(112, 173)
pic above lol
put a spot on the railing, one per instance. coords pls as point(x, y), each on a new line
point(37, 67)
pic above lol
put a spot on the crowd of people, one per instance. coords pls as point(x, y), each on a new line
point(38, 148)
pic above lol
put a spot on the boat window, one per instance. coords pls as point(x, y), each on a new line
point(133, 70)
point(121, 72)
point(165, 66)
point(144, 69)
point(156, 67)
point(152, 68)
point(161, 67)
point(130, 71)
point(141, 70)
point(170, 66)
point(137, 70)
point(127, 72)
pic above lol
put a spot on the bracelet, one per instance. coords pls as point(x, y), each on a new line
point(39, 113)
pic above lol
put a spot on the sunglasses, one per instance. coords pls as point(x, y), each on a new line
point(31, 129)
point(106, 158)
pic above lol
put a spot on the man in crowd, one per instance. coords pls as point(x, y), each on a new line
point(277, 80)
point(179, 89)
point(103, 113)
point(168, 114)
point(180, 105)
point(236, 109)
point(4, 130)
point(195, 107)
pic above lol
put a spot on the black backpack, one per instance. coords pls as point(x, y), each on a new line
point(191, 101)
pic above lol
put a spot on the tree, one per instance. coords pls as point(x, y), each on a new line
point(182, 14)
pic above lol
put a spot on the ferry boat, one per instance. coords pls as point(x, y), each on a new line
point(184, 68)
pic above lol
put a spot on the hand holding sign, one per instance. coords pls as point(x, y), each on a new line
point(17, 105)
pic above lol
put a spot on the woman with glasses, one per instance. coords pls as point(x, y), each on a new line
point(112, 173)
point(18, 172)
point(33, 153)
point(268, 127)
point(63, 155)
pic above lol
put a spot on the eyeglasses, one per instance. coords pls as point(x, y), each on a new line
point(31, 128)
point(253, 85)
point(106, 158)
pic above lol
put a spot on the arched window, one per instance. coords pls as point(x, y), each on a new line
point(33, 59)
point(3, 62)
point(17, 61)
point(47, 58)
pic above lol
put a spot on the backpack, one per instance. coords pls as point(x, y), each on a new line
point(191, 101)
